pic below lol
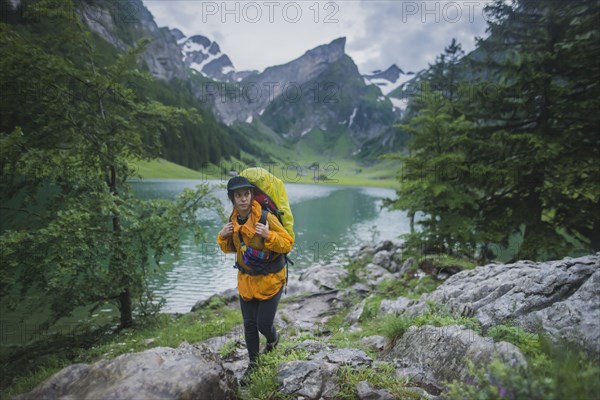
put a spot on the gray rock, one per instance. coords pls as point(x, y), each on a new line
point(409, 265)
point(577, 318)
point(347, 356)
point(375, 274)
point(228, 296)
point(364, 391)
point(562, 297)
point(421, 392)
point(354, 315)
point(316, 378)
point(360, 288)
point(159, 373)
point(307, 314)
point(383, 258)
point(297, 287)
point(308, 379)
point(386, 245)
point(326, 277)
point(312, 346)
point(442, 352)
point(375, 342)
point(394, 307)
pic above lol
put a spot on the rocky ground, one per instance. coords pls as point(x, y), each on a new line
point(560, 298)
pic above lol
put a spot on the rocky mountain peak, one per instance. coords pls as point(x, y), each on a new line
point(331, 52)
point(177, 34)
point(204, 55)
point(387, 80)
point(161, 53)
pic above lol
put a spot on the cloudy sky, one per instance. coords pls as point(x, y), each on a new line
point(379, 33)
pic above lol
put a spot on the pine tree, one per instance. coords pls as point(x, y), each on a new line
point(518, 120)
point(540, 117)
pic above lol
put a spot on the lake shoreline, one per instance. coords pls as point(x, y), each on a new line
point(339, 173)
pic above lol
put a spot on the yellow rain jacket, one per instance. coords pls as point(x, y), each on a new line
point(261, 287)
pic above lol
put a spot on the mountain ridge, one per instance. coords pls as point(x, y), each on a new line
point(346, 103)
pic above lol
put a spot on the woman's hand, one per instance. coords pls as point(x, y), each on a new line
point(263, 230)
point(226, 231)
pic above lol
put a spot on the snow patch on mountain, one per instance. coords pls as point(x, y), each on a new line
point(203, 55)
point(388, 80)
point(398, 104)
point(352, 116)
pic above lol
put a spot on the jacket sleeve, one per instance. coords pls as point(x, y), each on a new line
point(279, 239)
point(226, 245)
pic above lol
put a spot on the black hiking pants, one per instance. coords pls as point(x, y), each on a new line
point(258, 317)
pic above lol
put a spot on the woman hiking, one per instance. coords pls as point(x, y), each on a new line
point(260, 242)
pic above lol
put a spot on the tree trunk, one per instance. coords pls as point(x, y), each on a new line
point(118, 259)
point(126, 309)
point(595, 236)
point(533, 233)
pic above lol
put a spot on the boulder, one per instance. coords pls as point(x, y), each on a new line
point(228, 296)
point(442, 353)
point(316, 377)
point(394, 307)
point(327, 277)
point(576, 318)
point(375, 342)
point(354, 315)
point(161, 373)
point(383, 259)
point(375, 274)
point(364, 391)
point(562, 297)
point(307, 379)
point(309, 313)
point(386, 245)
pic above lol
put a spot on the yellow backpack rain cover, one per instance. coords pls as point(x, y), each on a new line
point(274, 188)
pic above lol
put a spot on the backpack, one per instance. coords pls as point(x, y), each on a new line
point(270, 193)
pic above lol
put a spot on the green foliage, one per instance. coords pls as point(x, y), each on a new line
point(353, 267)
point(371, 308)
point(528, 343)
point(382, 376)
point(441, 261)
point(263, 383)
point(554, 375)
point(407, 286)
point(504, 141)
point(437, 136)
point(228, 348)
point(24, 368)
point(438, 315)
point(394, 327)
point(75, 232)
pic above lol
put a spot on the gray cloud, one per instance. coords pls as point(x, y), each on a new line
point(412, 33)
point(258, 34)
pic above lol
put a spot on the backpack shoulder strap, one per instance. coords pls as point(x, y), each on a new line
point(263, 217)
